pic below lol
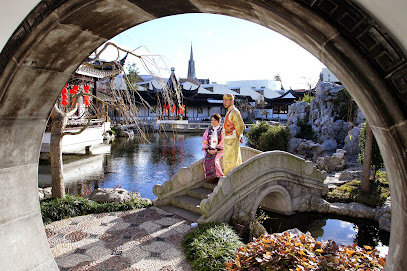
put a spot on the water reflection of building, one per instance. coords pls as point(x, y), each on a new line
point(78, 170)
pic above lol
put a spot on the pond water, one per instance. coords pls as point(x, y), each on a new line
point(137, 166)
point(342, 230)
point(132, 164)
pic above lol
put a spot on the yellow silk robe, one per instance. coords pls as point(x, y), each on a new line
point(231, 149)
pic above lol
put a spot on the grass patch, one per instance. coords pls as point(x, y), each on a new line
point(71, 206)
point(210, 246)
point(351, 192)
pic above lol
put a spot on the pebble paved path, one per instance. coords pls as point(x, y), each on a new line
point(137, 240)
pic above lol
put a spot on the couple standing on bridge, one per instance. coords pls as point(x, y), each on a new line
point(218, 141)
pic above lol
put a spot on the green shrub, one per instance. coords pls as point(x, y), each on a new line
point(345, 106)
point(302, 252)
point(210, 246)
point(377, 159)
point(306, 131)
point(71, 206)
point(307, 98)
point(275, 138)
point(350, 192)
point(253, 136)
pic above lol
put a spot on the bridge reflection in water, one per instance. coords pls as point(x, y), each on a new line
point(343, 230)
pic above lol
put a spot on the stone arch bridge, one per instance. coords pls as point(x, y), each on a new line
point(274, 180)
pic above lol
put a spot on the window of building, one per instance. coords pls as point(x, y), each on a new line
point(210, 89)
point(200, 110)
point(236, 90)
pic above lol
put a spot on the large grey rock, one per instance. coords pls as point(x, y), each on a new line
point(112, 195)
point(293, 144)
point(349, 175)
point(385, 222)
point(332, 163)
point(352, 141)
point(340, 129)
point(330, 144)
point(317, 204)
point(314, 203)
point(360, 118)
point(352, 209)
point(294, 130)
point(298, 112)
point(306, 149)
point(44, 193)
point(362, 211)
point(383, 216)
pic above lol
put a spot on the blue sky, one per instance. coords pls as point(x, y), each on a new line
point(225, 49)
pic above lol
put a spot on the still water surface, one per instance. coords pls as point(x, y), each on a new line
point(137, 166)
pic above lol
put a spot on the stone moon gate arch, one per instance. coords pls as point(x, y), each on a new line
point(58, 35)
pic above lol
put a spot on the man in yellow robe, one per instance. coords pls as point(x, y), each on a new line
point(233, 129)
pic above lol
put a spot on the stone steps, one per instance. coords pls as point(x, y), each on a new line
point(185, 214)
point(209, 185)
point(187, 202)
point(200, 193)
point(188, 206)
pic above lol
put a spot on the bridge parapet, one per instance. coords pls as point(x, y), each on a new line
point(189, 177)
point(184, 179)
point(288, 174)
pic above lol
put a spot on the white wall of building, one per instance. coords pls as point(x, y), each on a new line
point(327, 76)
point(254, 84)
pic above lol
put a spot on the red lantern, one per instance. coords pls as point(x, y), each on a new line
point(75, 87)
point(86, 88)
point(64, 97)
point(72, 91)
point(168, 106)
point(173, 109)
point(86, 91)
point(86, 102)
point(64, 91)
point(64, 102)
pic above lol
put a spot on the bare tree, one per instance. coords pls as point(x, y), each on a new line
point(365, 184)
point(122, 100)
point(309, 82)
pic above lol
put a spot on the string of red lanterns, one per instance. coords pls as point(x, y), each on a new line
point(181, 109)
point(73, 91)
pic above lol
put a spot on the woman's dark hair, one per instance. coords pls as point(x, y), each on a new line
point(216, 116)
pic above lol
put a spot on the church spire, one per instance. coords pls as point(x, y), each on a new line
point(191, 66)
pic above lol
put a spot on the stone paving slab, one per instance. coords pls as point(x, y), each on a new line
point(146, 239)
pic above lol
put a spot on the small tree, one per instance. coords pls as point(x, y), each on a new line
point(275, 138)
point(376, 157)
point(367, 160)
point(253, 136)
point(307, 98)
point(266, 137)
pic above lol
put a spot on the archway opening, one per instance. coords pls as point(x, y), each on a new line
point(354, 47)
point(276, 202)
